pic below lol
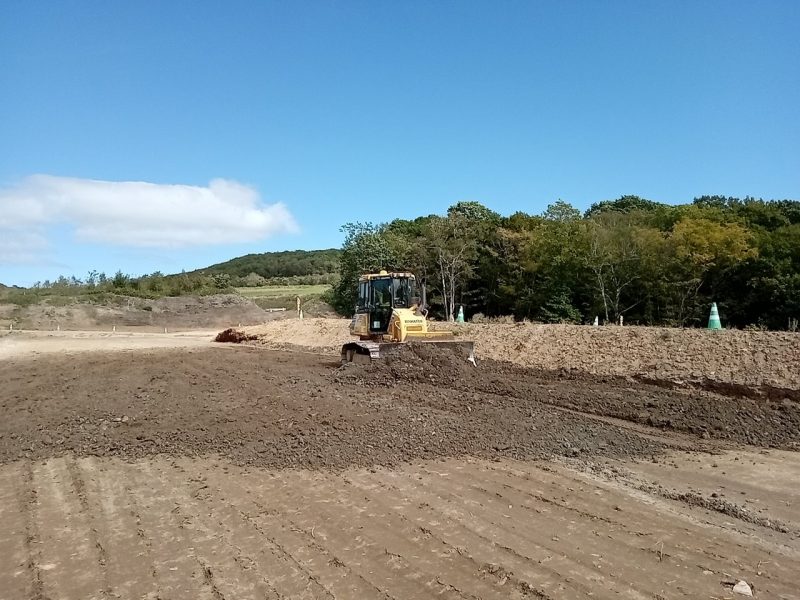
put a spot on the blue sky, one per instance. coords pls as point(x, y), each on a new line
point(343, 111)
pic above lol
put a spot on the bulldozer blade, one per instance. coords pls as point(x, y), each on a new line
point(368, 351)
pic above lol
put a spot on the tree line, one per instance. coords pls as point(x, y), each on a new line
point(648, 262)
point(289, 268)
point(290, 263)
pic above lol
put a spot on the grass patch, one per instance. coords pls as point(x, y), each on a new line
point(281, 291)
point(284, 296)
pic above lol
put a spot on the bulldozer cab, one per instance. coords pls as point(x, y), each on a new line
point(380, 293)
point(389, 314)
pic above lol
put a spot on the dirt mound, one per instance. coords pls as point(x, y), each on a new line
point(756, 363)
point(233, 336)
point(758, 421)
point(411, 363)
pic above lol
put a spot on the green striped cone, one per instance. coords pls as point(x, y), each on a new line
point(713, 319)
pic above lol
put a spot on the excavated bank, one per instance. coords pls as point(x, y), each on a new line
point(746, 419)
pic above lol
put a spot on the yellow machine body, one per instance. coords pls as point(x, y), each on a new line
point(405, 324)
point(389, 314)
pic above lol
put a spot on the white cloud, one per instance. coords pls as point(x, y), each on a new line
point(21, 247)
point(134, 213)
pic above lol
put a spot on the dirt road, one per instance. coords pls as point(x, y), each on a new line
point(235, 472)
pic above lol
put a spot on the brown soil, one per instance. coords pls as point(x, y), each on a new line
point(278, 409)
point(160, 473)
point(88, 527)
point(758, 363)
point(757, 421)
point(233, 336)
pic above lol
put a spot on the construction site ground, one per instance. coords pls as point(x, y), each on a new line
point(153, 466)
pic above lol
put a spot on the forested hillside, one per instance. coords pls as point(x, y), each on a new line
point(297, 267)
point(291, 263)
point(649, 262)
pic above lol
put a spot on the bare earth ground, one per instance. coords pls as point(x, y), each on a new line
point(140, 314)
point(761, 362)
point(182, 469)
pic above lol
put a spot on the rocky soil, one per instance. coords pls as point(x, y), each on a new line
point(281, 409)
point(273, 409)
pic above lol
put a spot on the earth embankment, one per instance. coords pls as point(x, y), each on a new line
point(128, 313)
point(757, 363)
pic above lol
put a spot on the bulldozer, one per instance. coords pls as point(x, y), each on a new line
point(389, 314)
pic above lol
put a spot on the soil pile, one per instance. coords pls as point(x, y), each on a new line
point(756, 363)
point(276, 409)
point(769, 422)
point(233, 336)
point(442, 365)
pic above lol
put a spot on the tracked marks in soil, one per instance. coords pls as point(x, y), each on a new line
point(434, 563)
point(90, 517)
point(465, 567)
point(617, 542)
point(208, 579)
point(676, 543)
point(170, 548)
point(69, 559)
point(532, 545)
point(32, 533)
point(468, 534)
point(128, 558)
point(206, 542)
point(300, 548)
point(20, 574)
point(256, 568)
point(594, 545)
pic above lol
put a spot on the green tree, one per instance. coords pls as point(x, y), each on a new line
point(366, 249)
point(619, 253)
point(452, 249)
point(561, 212)
point(700, 248)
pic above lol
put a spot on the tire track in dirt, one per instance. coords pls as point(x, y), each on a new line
point(91, 518)
point(250, 551)
point(128, 561)
point(389, 571)
point(18, 567)
point(551, 543)
point(424, 555)
point(466, 532)
point(437, 546)
point(636, 537)
point(69, 560)
point(759, 484)
point(226, 579)
point(695, 514)
point(588, 543)
point(296, 546)
point(686, 536)
point(171, 554)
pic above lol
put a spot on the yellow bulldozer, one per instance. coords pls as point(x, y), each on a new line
point(389, 314)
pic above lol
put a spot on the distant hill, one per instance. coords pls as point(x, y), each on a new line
point(290, 263)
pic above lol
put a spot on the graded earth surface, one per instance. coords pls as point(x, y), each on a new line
point(169, 466)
